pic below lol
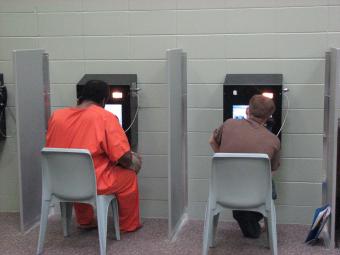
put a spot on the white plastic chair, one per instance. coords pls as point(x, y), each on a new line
point(68, 176)
point(240, 181)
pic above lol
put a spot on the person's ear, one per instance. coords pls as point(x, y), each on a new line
point(247, 112)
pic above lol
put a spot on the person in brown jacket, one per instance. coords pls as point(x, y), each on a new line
point(249, 136)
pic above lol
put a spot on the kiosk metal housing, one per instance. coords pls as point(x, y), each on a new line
point(239, 88)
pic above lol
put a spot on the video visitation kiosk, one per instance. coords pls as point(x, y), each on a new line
point(123, 100)
point(239, 88)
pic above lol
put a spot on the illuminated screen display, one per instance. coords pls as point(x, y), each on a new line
point(116, 109)
point(239, 112)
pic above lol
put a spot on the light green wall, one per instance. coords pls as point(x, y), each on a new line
point(220, 36)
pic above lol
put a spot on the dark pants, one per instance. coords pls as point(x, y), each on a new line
point(249, 221)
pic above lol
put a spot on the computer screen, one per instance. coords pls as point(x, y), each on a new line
point(116, 109)
point(239, 112)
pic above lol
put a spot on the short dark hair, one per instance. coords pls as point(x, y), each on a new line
point(94, 90)
point(261, 107)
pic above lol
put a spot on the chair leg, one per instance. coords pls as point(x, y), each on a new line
point(115, 214)
point(267, 231)
point(102, 210)
point(43, 225)
point(212, 241)
point(207, 230)
point(272, 230)
point(66, 216)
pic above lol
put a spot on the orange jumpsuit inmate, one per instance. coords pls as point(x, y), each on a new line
point(99, 131)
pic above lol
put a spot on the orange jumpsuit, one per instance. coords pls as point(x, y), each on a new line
point(99, 131)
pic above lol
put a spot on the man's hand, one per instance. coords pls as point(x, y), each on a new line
point(136, 163)
point(213, 144)
point(216, 139)
point(131, 160)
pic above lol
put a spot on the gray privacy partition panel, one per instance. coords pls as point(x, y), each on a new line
point(331, 120)
point(177, 163)
point(32, 109)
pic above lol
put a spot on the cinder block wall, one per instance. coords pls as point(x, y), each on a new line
point(220, 36)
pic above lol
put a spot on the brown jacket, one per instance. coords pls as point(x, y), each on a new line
point(248, 136)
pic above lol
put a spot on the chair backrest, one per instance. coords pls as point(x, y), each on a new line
point(68, 174)
point(241, 180)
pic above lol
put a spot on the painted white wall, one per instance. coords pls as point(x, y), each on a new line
point(220, 36)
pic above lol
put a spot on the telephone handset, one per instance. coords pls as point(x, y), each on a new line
point(3, 92)
point(3, 97)
point(3, 104)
